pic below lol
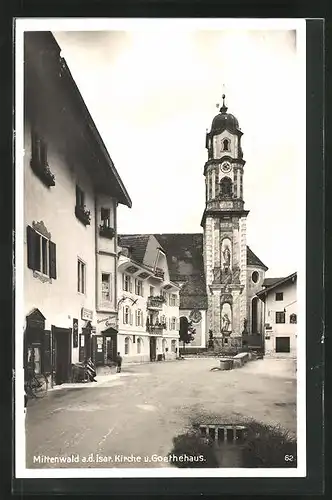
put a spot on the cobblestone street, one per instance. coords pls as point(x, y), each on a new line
point(139, 412)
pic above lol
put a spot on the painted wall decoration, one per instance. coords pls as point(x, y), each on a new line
point(195, 316)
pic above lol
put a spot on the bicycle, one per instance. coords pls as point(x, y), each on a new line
point(36, 385)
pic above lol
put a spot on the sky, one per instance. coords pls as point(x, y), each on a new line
point(153, 93)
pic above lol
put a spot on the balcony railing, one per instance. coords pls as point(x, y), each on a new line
point(155, 329)
point(155, 302)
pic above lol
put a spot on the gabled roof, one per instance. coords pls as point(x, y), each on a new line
point(253, 260)
point(271, 281)
point(37, 45)
point(136, 243)
point(292, 277)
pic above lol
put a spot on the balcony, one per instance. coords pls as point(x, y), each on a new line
point(155, 329)
point(106, 232)
point(155, 302)
point(83, 214)
point(159, 273)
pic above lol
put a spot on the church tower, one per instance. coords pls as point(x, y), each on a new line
point(224, 225)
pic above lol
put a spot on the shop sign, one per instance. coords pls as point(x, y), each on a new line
point(86, 314)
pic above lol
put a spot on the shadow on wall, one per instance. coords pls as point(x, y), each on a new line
point(261, 446)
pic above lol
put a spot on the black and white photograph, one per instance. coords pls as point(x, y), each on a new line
point(160, 248)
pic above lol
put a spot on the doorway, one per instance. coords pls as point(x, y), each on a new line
point(254, 315)
point(282, 344)
point(153, 348)
point(62, 341)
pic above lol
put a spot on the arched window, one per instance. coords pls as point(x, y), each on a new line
point(225, 145)
point(293, 318)
point(164, 344)
point(173, 345)
point(139, 345)
point(226, 187)
point(127, 345)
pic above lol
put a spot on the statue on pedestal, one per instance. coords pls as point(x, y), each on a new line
point(225, 323)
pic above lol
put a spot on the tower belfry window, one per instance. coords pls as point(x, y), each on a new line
point(226, 187)
point(225, 145)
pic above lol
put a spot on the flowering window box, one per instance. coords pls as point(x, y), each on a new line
point(44, 173)
point(106, 232)
point(83, 214)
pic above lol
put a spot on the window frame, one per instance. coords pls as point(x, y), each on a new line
point(81, 265)
point(278, 295)
point(139, 287)
point(139, 345)
point(106, 273)
point(127, 279)
point(280, 314)
point(127, 346)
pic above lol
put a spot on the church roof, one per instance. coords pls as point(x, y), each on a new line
point(253, 260)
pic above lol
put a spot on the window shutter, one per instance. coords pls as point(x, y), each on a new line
point(123, 281)
point(130, 284)
point(32, 247)
point(136, 318)
point(52, 254)
point(131, 316)
point(170, 323)
point(47, 352)
point(124, 315)
point(142, 288)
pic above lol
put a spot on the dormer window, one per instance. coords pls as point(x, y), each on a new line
point(225, 145)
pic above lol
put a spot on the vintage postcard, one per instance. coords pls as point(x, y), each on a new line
point(160, 248)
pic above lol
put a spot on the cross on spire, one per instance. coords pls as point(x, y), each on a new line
point(223, 108)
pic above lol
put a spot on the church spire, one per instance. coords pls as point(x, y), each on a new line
point(223, 108)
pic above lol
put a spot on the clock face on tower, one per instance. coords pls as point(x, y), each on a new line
point(226, 167)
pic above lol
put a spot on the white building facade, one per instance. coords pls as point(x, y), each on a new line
point(71, 192)
point(280, 317)
point(148, 303)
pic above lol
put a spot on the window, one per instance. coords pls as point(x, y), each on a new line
point(173, 345)
point(34, 359)
point(106, 287)
point(255, 276)
point(293, 318)
point(139, 345)
point(105, 215)
point(39, 160)
point(41, 253)
point(173, 300)
point(280, 317)
point(139, 317)
point(151, 291)
point(225, 145)
point(126, 315)
point(127, 283)
point(139, 287)
point(81, 276)
point(127, 344)
point(81, 211)
point(226, 187)
point(173, 323)
point(164, 295)
point(279, 296)
point(80, 197)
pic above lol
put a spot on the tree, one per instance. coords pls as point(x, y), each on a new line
point(187, 331)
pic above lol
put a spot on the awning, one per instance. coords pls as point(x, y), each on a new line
point(109, 332)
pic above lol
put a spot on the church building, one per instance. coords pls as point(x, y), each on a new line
point(218, 274)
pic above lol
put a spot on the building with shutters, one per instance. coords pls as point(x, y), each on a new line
point(279, 301)
point(71, 193)
point(148, 302)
